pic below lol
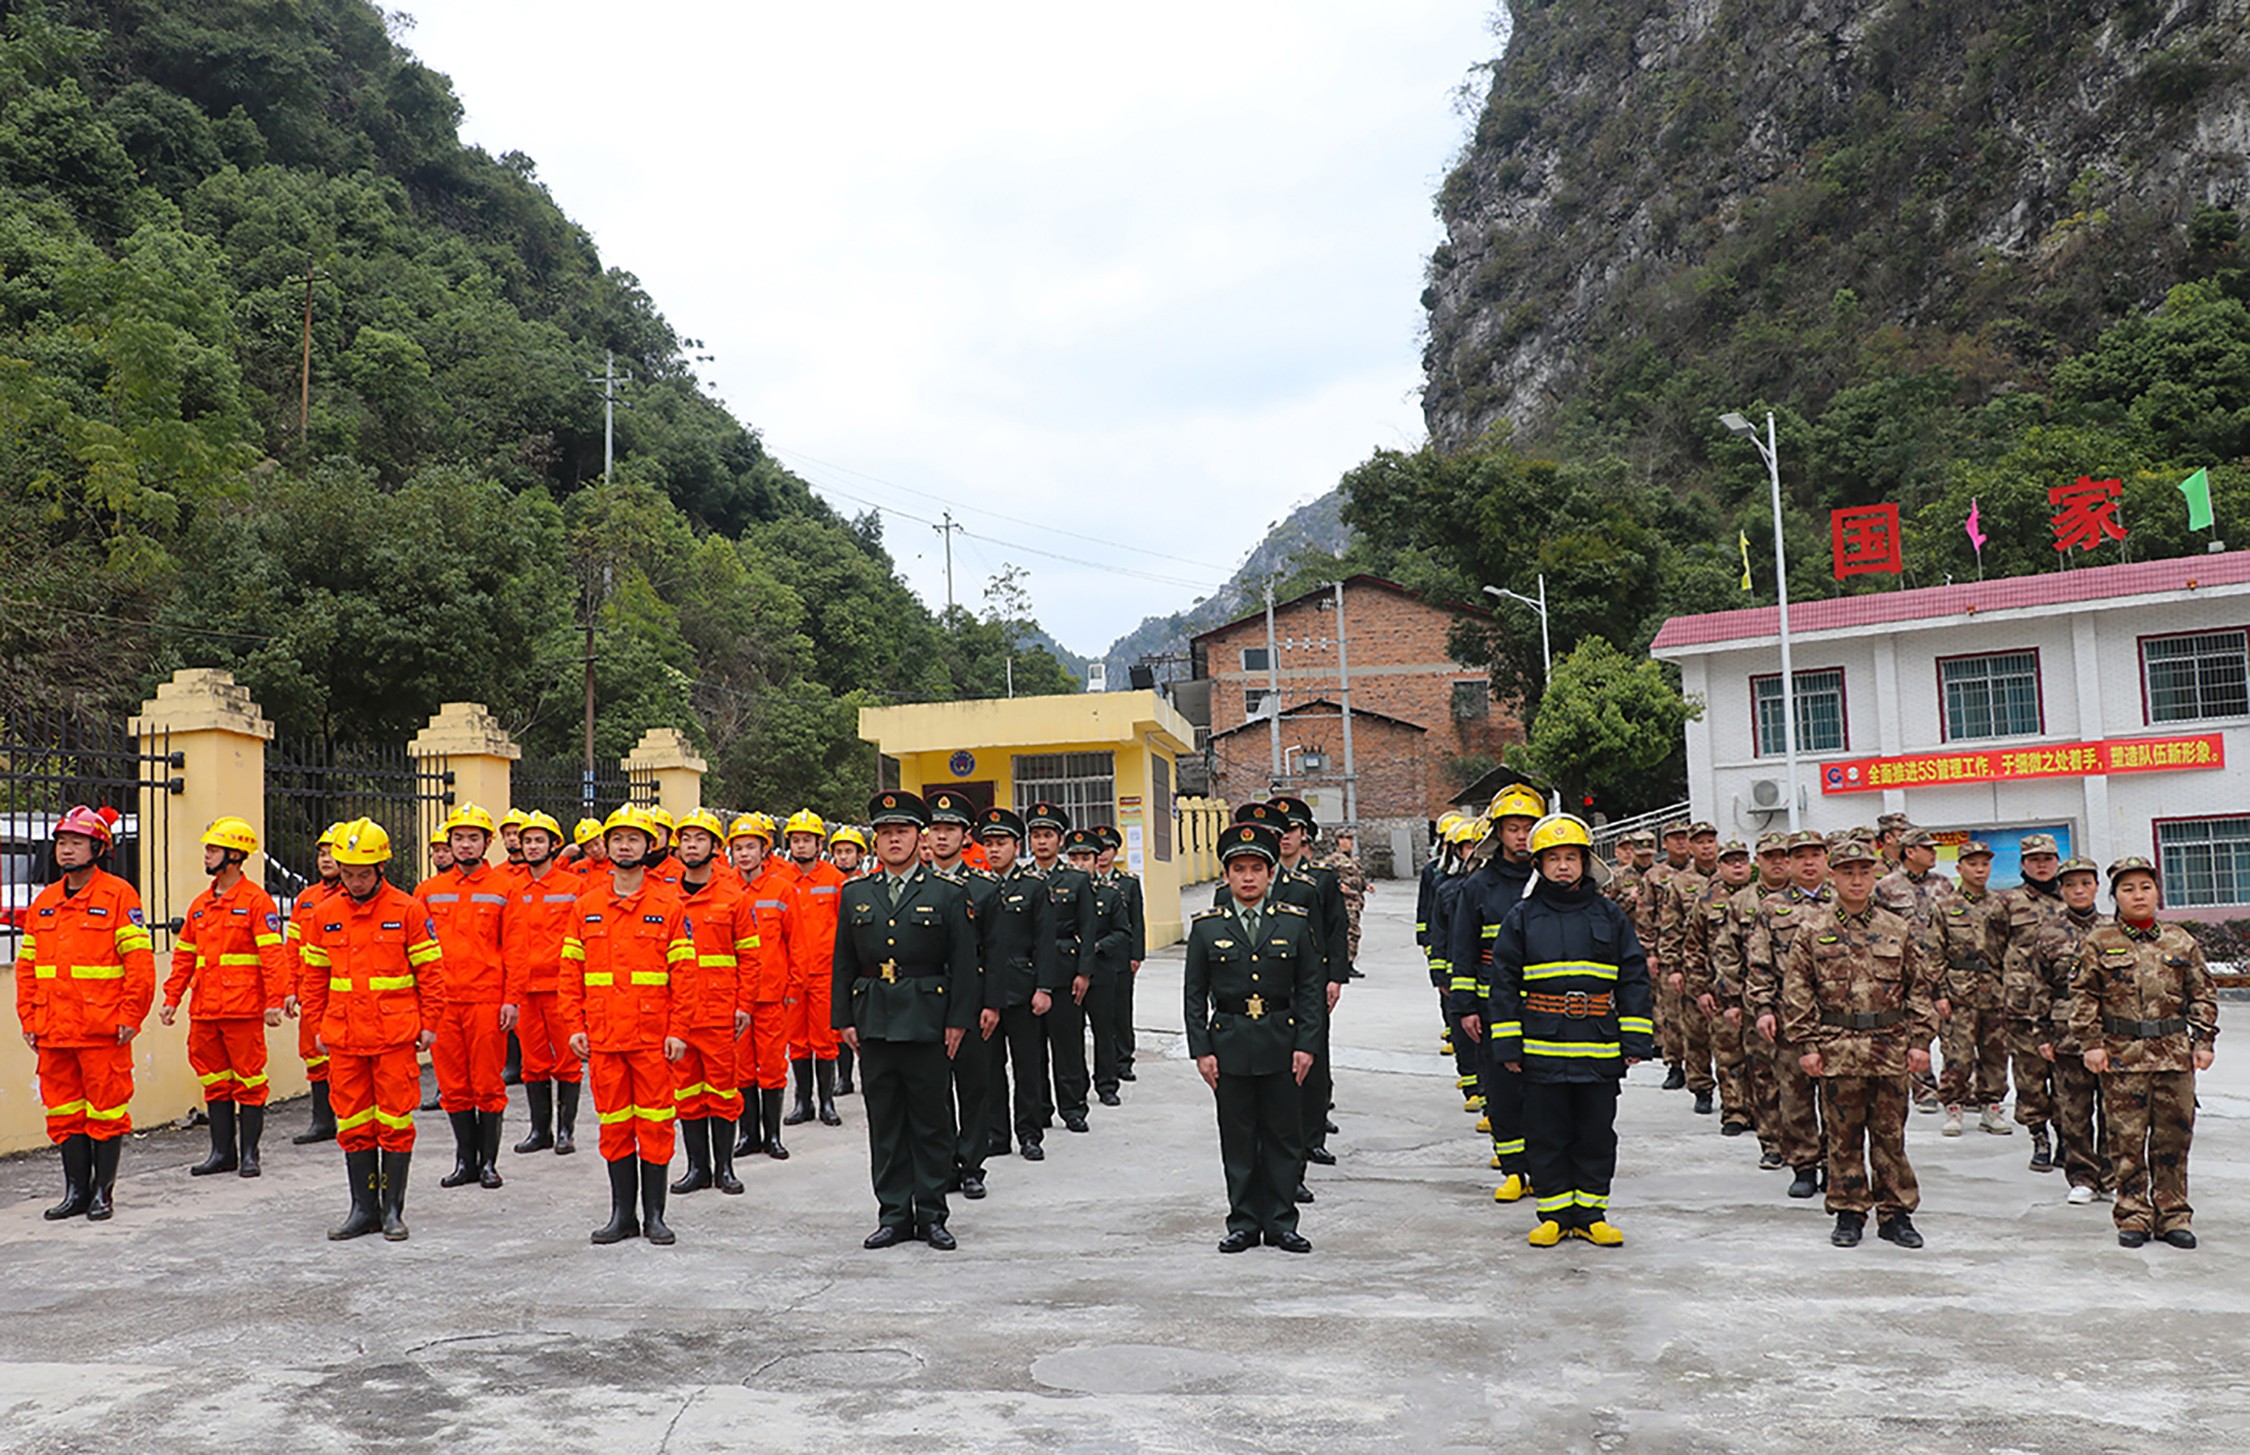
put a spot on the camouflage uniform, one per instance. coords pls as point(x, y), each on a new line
point(1680, 946)
point(1920, 900)
point(1712, 923)
point(1745, 1076)
point(2017, 916)
point(2038, 992)
point(1975, 1037)
point(1351, 880)
point(1644, 912)
point(1781, 917)
point(2145, 997)
point(1856, 988)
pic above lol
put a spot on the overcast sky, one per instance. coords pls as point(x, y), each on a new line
point(1146, 275)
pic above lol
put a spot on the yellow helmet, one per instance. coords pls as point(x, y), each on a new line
point(1517, 800)
point(846, 834)
point(706, 820)
point(1558, 830)
point(538, 820)
point(1468, 831)
point(232, 833)
point(805, 821)
point(658, 822)
point(330, 836)
point(469, 816)
point(441, 837)
point(514, 818)
point(1446, 821)
point(631, 816)
point(751, 825)
point(362, 841)
point(588, 829)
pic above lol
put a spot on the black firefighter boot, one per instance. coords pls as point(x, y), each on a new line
point(394, 1195)
point(652, 1204)
point(222, 1141)
point(826, 1071)
point(105, 1178)
point(566, 1117)
point(753, 1113)
point(365, 1177)
point(624, 1178)
point(722, 1157)
point(695, 1138)
point(539, 1097)
point(769, 1101)
point(844, 1059)
point(511, 1069)
point(488, 1148)
point(800, 1077)
point(78, 1179)
point(323, 1128)
point(250, 1125)
point(466, 1143)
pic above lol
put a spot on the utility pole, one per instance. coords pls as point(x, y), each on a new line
point(946, 529)
point(304, 371)
point(591, 596)
point(1273, 686)
point(1344, 696)
point(612, 382)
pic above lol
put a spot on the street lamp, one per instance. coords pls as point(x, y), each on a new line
point(1546, 654)
point(1770, 452)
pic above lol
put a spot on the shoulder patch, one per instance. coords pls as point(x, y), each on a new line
point(1212, 913)
point(1296, 909)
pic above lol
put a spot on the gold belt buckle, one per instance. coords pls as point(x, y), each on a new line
point(890, 972)
point(1254, 1007)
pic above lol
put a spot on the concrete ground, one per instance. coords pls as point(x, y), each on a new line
point(1087, 1309)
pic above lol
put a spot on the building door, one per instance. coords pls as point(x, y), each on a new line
point(979, 792)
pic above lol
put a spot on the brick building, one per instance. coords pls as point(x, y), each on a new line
point(1418, 716)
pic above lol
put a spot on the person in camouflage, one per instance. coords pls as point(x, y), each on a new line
point(1351, 880)
point(1975, 1035)
point(1856, 1003)
point(1680, 946)
point(1780, 919)
point(2016, 921)
point(1918, 894)
point(1732, 1031)
point(2039, 996)
point(2143, 1010)
point(1654, 879)
point(1699, 996)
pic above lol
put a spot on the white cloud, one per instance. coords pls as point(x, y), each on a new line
point(1148, 273)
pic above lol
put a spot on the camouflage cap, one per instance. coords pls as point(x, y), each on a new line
point(1637, 840)
point(1852, 851)
point(2038, 844)
point(1837, 838)
point(1703, 828)
point(2078, 864)
point(1917, 839)
point(2132, 864)
point(1971, 849)
point(1732, 848)
point(1677, 826)
point(1893, 823)
point(1808, 839)
point(1770, 842)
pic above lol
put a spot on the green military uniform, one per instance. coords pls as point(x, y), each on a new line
point(906, 973)
point(971, 1070)
point(1254, 993)
point(1136, 911)
point(1016, 938)
point(1070, 898)
point(2015, 922)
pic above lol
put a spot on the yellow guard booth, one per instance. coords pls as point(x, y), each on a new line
point(1106, 757)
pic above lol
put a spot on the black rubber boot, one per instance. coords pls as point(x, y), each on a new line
point(394, 1195)
point(78, 1179)
point(323, 1128)
point(695, 1139)
point(844, 1062)
point(722, 1157)
point(751, 1124)
point(105, 1178)
point(222, 1141)
point(466, 1143)
point(511, 1069)
point(539, 1096)
point(488, 1148)
point(652, 1205)
point(825, 1071)
point(566, 1117)
point(250, 1125)
point(624, 1178)
point(365, 1177)
point(800, 1077)
point(769, 1100)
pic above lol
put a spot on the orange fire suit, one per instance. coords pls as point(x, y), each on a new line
point(232, 952)
point(83, 973)
point(616, 990)
point(378, 983)
point(300, 915)
point(811, 892)
point(714, 986)
point(761, 1054)
point(471, 1054)
point(540, 915)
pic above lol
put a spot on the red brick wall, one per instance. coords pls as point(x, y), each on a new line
point(1396, 775)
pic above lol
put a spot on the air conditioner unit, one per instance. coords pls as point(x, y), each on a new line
point(1768, 795)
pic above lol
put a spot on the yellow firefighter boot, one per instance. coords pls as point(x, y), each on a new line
point(1511, 1189)
point(1546, 1235)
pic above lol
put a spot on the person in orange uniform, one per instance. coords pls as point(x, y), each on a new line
point(761, 1054)
point(542, 907)
point(662, 864)
point(633, 934)
point(301, 911)
point(809, 884)
point(377, 993)
point(468, 904)
point(233, 953)
point(84, 980)
point(584, 857)
point(714, 988)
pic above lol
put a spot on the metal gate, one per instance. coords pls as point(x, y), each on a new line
point(562, 788)
point(51, 761)
point(311, 784)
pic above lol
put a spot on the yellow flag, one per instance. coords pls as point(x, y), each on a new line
point(1743, 538)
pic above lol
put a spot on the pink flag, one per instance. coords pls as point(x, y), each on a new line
point(1977, 537)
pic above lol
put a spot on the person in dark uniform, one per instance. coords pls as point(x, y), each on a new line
point(1491, 890)
point(1071, 897)
point(951, 818)
point(1136, 908)
point(905, 996)
point(1113, 947)
point(1255, 995)
point(1016, 942)
point(1332, 921)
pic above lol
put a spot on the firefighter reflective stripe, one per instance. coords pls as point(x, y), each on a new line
point(647, 977)
point(1490, 932)
point(66, 1108)
point(374, 1114)
point(446, 898)
point(705, 1088)
point(1596, 1049)
point(824, 888)
point(316, 956)
point(1506, 1028)
point(558, 899)
point(645, 1113)
point(481, 898)
point(600, 977)
point(679, 950)
point(423, 953)
point(1593, 1199)
point(97, 972)
point(218, 1076)
point(1639, 1023)
point(44, 972)
point(1464, 984)
point(238, 959)
point(390, 982)
point(267, 942)
point(574, 949)
point(747, 942)
point(1509, 1148)
point(129, 939)
point(1556, 1202)
point(710, 962)
point(339, 982)
point(105, 1113)
point(1559, 969)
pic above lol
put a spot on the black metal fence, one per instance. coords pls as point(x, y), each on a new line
point(560, 787)
point(52, 761)
point(311, 784)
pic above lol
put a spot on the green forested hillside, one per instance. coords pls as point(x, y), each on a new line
point(177, 180)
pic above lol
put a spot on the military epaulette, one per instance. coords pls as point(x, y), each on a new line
point(1214, 910)
point(1296, 909)
point(978, 873)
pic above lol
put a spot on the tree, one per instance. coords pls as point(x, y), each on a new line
point(1612, 726)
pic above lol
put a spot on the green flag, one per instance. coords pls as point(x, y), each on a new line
point(2197, 489)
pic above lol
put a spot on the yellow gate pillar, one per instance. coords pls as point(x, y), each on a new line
point(666, 755)
point(466, 740)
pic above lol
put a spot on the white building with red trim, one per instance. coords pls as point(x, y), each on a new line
point(2111, 704)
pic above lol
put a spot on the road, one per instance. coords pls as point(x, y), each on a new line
point(1087, 1310)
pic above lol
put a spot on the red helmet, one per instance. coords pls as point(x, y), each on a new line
point(93, 825)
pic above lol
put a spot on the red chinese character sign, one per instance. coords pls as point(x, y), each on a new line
point(2085, 512)
point(1866, 541)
